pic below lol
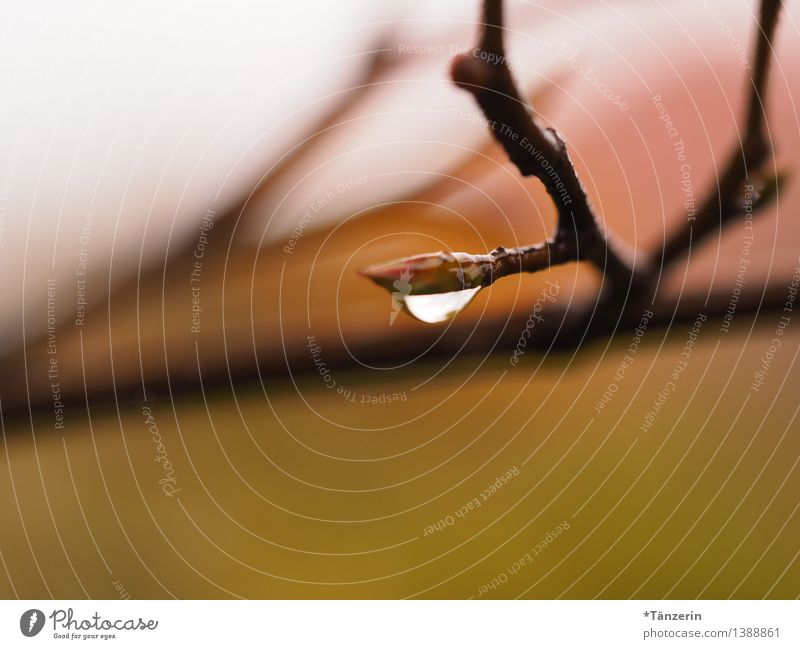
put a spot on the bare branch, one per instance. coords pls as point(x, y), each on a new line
point(444, 272)
point(747, 163)
point(535, 150)
point(541, 152)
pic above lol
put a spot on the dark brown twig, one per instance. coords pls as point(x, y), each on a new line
point(537, 151)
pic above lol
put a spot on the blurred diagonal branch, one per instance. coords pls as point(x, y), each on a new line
point(378, 62)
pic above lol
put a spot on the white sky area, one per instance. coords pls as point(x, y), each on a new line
point(127, 120)
point(140, 115)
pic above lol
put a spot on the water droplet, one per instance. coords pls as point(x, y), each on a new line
point(438, 307)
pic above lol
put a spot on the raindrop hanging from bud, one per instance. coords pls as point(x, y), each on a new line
point(438, 307)
point(434, 287)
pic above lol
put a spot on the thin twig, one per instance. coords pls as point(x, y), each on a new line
point(537, 151)
point(541, 152)
point(724, 202)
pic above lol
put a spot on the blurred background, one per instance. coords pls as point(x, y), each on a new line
point(201, 398)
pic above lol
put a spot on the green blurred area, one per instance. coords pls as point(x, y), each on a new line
point(293, 490)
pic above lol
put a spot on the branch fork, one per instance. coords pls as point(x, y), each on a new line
point(542, 152)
